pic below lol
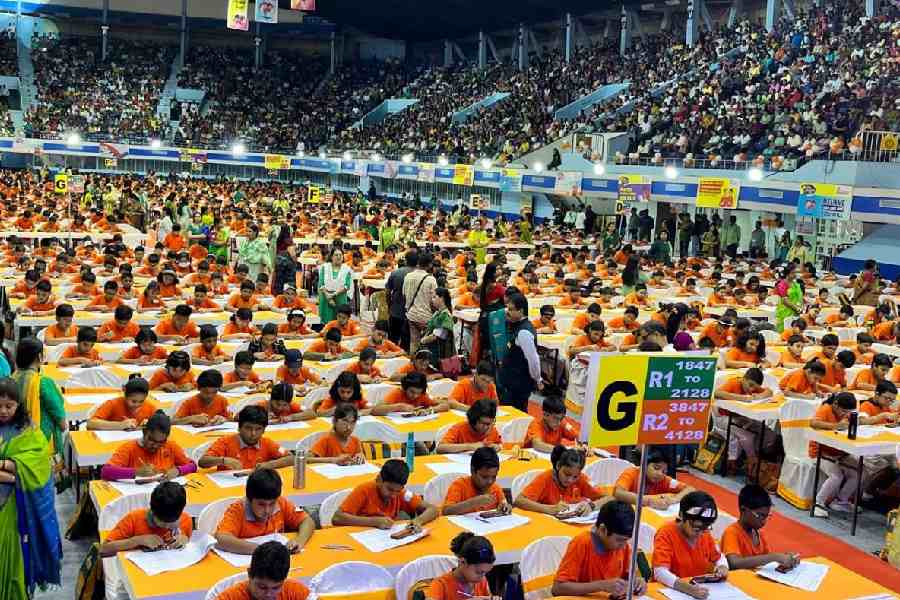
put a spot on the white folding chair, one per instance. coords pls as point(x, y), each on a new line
point(798, 470)
point(248, 401)
point(436, 488)
point(198, 452)
point(721, 524)
point(351, 577)
point(513, 432)
point(606, 471)
point(441, 433)
point(522, 481)
point(330, 505)
point(770, 336)
point(209, 518)
point(539, 559)
point(307, 442)
point(224, 584)
point(313, 396)
point(421, 569)
point(109, 516)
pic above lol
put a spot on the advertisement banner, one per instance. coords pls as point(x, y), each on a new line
point(510, 180)
point(277, 161)
point(568, 182)
point(633, 189)
point(266, 11)
point(390, 169)
point(463, 174)
point(237, 15)
point(76, 184)
point(426, 172)
point(717, 192)
point(825, 201)
point(307, 5)
point(61, 183)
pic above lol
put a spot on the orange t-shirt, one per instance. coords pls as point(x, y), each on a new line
point(671, 550)
point(135, 352)
point(629, 478)
point(328, 403)
point(539, 325)
point(796, 381)
point(464, 489)
point(619, 323)
point(366, 501)
point(736, 540)
point(286, 328)
point(398, 396)
point(565, 434)
point(356, 369)
point(736, 354)
point(546, 490)
point(447, 587)
point(204, 304)
point(720, 339)
point(351, 328)
point(200, 352)
point(54, 332)
point(286, 517)
point(35, 306)
point(232, 328)
point(872, 409)
point(462, 433)
point(166, 327)
point(137, 523)
point(866, 376)
point(884, 332)
point(195, 406)
point(582, 563)
point(162, 377)
point(291, 590)
point(237, 301)
point(72, 352)
point(580, 321)
point(231, 446)
point(101, 302)
point(284, 375)
point(823, 413)
point(143, 302)
point(465, 392)
point(119, 333)
point(132, 455)
point(788, 358)
point(116, 410)
point(385, 346)
point(329, 446)
point(232, 377)
point(732, 385)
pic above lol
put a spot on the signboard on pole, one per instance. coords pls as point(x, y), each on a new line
point(61, 183)
point(825, 201)
point(647, 399)
point(717, 192)
point(76, 184)
point(632, 189)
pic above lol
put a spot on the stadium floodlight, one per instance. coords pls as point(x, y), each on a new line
point(486, 163)
point(407, 158)
point(73, 139)
point(538, 167)
point(599, 169)
point(154, 143)
point(322, 154)
point(347, 155)
point(376, 156)
point(442, 160)
point(755, 174)
point(671, 172)
point(238, 149)
point(301, 154)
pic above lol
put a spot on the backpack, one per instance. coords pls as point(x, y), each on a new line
point(90, 584)
point(891, 550)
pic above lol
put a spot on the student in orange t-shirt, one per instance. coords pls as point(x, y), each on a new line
point(263, 511)
point(83, 352)
point(108, 301)
point(378, 503)
point(128, 412)
point(743, 543)
point(339, 445)
point(471, 389)
point(379, 342)
point(240, 326)
point(479, 491)
point(150, 300)
point(886, 332)
point(549, 430)
point(63, 331)
point(792, 357)
point(343, 322)
point(879, 408)
point(243, 374)
point(282, 407)
point(346, 389)
point(207, 406)
point(627, 322)
point(592, 341)
point(164, 525)
point(684, 549)
point(245, 298)
point(804, 383)
point(120, 328)
point(289, 301)
point(201, 302)
point(294, 373)
point(145, 351)
point(269, 570)
point(660, 490)
point(868, 379)
point(717, 332)
point(545, 322)
point(837, 491)
point(555, 491)
point(176, 375)
point(599, 560)
point(174, 241)
point(42, 303)
point(247, 449)
point(153, 455)
point(583, 319)
point(477, 431)
point(296, 327)
point(208, 352)
point(168, 284)
point(412, 396)
point(749, 351)
point(475, 559)
point(178, 329)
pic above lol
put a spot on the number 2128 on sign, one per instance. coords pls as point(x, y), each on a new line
point(677, 400)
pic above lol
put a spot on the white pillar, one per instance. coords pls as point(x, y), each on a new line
point(693, 20)
point(771, 14)
point(104, 29)
point(625, 36)
point(183, 31)
point(448, 54)
point(568, 44)
point(871, 9)
point(482, 50)
point(333, 54)
point(523, 52)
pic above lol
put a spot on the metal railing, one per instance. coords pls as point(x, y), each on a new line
point(871, 146)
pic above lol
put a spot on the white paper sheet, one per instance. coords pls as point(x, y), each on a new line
point(226, 427)
point(448, 467)
point(333, 471)
point(870, 431)
point(669, 513)
point(225, 479)
point(131, 368)
point(79, 369)
point(128, 487)
point(108, 437)
point(588, 519)
point(173, 397)
point(287, 426)
point(400, 420)
point(479, 526)
point(379, 540)
point(717, 591)
point(460, 458)
point(360, 421)
point(94, 399)
point(267, 364)
point(242, 561)
point(539, 455)
point(154, 563)
point(805, 576)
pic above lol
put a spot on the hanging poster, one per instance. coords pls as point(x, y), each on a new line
point(307, 5)
point(633, 188)
point(568, 182)
point(266, 11)
point(315, 194)
point(277, 161)
point(426, 172)
point(463, 174)
point(510, 180)
point(825, 201)
point(717, 192)
point(237, 15)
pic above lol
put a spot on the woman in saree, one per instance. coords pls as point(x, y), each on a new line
point(335, 279)
point(220, 235)
point(41, 396)
point(30, 545)
point(790, 297)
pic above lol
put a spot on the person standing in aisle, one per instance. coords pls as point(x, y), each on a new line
point(520, 370)
point(731, 237)
point(254, 252)
point(399, 327)
point(418, 288)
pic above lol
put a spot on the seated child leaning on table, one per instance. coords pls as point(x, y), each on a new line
point(743, 543)
point(263, 511)
point(152, 456)
point(268, 571)
point(83, 352)
point(129, 411)
point(163, 525)
point(475, 432)
point(379, 503)
point(207, 406)
point(562, 489)
point(479, 491)
point(684, 549)
point(247, 449)
point(599, 560)
point(339, 445)
point(660, 490)
point(549, 430)
point(475, 559)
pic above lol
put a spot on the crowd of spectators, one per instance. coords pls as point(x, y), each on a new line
point(9, 62)
point(78, 91)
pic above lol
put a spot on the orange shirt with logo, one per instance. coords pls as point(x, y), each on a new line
point(582, 563)
point(671, 550)
point(545, 490)
point(250, 456)
point(736, 540)
point(464, 489)
point(366, 501)
point(287, 517)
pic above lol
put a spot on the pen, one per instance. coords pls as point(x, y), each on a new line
point(336, 547)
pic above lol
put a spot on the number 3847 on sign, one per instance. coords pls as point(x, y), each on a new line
point(648, 399)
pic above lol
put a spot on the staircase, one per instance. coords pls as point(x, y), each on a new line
point(27, 88)
point(167, 95)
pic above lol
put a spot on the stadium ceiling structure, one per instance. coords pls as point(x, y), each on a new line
point(418, 21)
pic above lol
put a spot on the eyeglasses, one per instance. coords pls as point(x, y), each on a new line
point(760, 516)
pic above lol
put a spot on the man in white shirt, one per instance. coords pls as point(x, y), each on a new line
point(418, 288)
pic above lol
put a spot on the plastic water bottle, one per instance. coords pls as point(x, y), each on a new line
point(852, 425)
point(300, 470)
point(410, 451)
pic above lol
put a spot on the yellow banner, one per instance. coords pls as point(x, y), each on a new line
point(237, 15)
point(315, 194)
point(275, 161)
point(618, 398)
point(463, 174)
point(61, 183)
point(717, 192)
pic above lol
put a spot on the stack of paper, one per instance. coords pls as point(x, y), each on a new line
point(160, 561)
point(242, 561)
point(127, 487)
point(226, 479)
point(379, 540)
point(227, 427)
point(333, 471)
point(870, 431)
point(448, 467)
point(588, 519)
point(717, 591)
point(287, 426)
point(110, 437)
point(400, 419)
point(668, 513)
point(482, 526)
point(805, 576)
